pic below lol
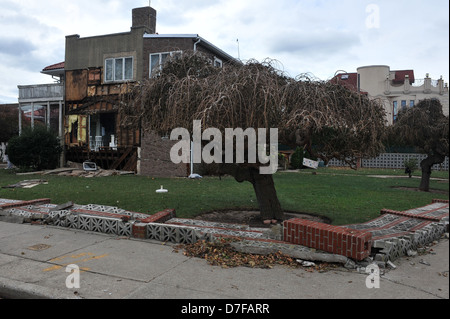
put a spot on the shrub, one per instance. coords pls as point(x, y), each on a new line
point(297, 158)
point(410, 166)
point(36, 149)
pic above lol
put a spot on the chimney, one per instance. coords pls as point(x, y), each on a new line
point(145, 17)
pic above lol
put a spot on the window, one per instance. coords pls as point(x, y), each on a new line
point(157, 61)
point(119, 69)
point(218, 62)
point(403, 104)
point(395, 111)
point(411, 103)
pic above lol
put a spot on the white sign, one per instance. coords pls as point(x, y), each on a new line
point(310, 163)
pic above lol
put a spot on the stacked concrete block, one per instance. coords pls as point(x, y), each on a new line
point(176, 234)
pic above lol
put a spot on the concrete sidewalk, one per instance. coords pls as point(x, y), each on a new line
point(34, 260)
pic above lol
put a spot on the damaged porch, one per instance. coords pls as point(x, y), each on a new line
point(120, 158)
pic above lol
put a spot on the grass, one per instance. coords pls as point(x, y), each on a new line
point(344, 196)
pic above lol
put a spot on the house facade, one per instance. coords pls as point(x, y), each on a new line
point(397, 89)
point(97, 71)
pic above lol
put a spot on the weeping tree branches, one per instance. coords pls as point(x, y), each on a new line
point(425, 127)
point(329, 119)
point(325, 118)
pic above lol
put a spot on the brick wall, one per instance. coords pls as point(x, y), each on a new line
point(333, 239)
point(162, 45)
point(144, 17)
point(155, 158)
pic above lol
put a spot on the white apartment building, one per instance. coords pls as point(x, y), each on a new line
point(397, 89)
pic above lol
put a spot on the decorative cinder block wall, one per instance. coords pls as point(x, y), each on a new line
point(392, 161)
point(333, 239)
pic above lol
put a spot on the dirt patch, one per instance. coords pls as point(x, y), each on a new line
point(252, 217)
point(415, 189)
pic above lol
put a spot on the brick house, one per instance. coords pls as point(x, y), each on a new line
point(97, 70)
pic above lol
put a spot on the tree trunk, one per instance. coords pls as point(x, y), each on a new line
point(264, 187)
point(426, 165)
point(266, 194)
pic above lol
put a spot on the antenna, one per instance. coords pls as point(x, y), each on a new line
point(239, 53)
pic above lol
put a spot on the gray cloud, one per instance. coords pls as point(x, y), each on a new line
point(314, 43)
point(16, 46)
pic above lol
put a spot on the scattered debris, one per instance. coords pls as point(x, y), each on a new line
point(89, 166)
point(424, 262)
point(391, 264)
point(39, 247)
point(305, 263)
point(221, 253)
point(27, 184)
point(79, 172)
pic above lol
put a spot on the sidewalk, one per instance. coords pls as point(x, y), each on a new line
point(33, 261)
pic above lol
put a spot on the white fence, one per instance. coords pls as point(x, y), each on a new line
point(393, 161)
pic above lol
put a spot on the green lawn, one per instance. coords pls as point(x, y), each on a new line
point(344, 196)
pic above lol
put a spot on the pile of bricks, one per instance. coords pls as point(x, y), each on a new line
point(387, 237)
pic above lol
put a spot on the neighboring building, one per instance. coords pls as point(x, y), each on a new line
point(97, 71)
point(43, 103)
point(397, 89)
point(8, 122)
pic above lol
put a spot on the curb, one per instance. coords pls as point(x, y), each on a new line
point(13, 289)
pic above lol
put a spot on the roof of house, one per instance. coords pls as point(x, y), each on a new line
point(196, 37)
point(54, 66)
point(401, 74)
point(54, 69)
point(349, 80)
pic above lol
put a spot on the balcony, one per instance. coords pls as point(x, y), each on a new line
point(41, 93)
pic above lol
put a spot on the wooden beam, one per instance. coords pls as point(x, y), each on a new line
point(122, 158)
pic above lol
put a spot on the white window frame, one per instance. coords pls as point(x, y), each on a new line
point(123, 79)
point(153, 72)
point(218, 62)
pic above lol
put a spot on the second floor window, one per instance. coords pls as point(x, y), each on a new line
point(119, 69)
point(157, 61)
point(218, 62)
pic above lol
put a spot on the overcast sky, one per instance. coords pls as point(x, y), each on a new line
point(306, 36)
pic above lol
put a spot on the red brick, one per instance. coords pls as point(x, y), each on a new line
point(139, 230)
point(160, 217)
point(338, 240)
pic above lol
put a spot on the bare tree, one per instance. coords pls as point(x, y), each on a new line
point(327, 119)
point(425, 127)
